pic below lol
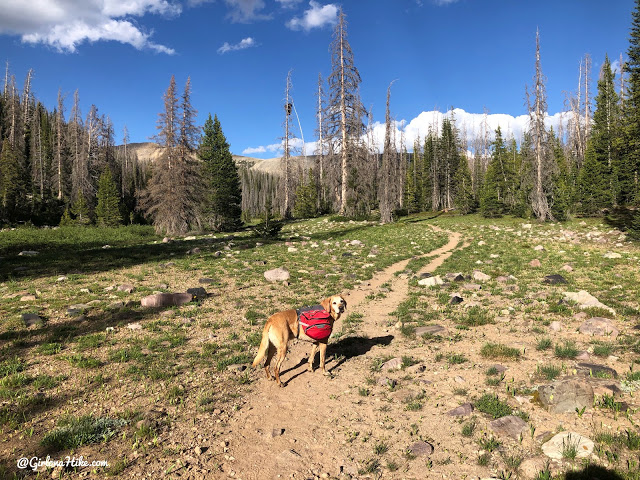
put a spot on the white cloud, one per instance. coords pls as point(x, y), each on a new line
point(66, 24)
point(471, 125)
point(246, 11)
point(316, 17)
point(243, 44)
point(444, 2)
point(288, 3)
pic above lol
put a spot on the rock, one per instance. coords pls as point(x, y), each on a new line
point(567, 268)
point(531, 467)
point(277, 275)
point(28, 253)
point(472, 286)
point(166, 240)
point(538, 248)
point(510, 425)
point(277, 432)
point(199, 293)
point(554, 279)
point(115, 306)
point(387, 382)
point(61, 278)
point(159, 300)
point(461, 411)
point(106, 247)
point(454, 277)
point(421, 449)
point(565, 396)
point(430, 330)
point(599, 326)
point(126, 288)
point(424, 275)
point(555, 326)
point(612, 255)
point(526, 226)
point(556, 447)
point(595, 370)
point(393, 364)
point(191, 237)
point(206, 281)
point(194, 251)
point(586, 300)
point(356, 242)
point(456, 299)
point(535, 263)
point(502, 279)
point(481, 243)
point(431, 281)
point(415, 369)
point(134, 326)
point(28, 298)
point(31, 319)
point(78, 309)
point(480, 277)
point(236, 368)
point(292, 249)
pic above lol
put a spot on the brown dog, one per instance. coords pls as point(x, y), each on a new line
point(283, 326)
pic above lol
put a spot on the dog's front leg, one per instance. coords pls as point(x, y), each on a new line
point(323, 353)
point(312, 356)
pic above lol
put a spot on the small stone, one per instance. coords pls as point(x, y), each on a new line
point(166, 240)
point(393, 364)
point(567, 268)
point(430, 330)
point(535, 263)
point(538, 248)
point(595, 370)
point(586, 300)
point(612, 255)
point(509, 425)
point(236, 368)
point(28, 298)
point(78, 309)
point(160, 300)
point(417, 368)
point(61, 278)
point(472, 286)
point(194, 251)
point(134, 326)
point(480, 276)
point(126, 288)
point(431, 281)
point(421, 449)
point(32, 319)
point(554, 279)
point(206, 281)
point(199, 293)
point(461, 411)
point(28, 253)
point(459, 379)
point(456, 299)
point(280, 274)
point(555, 326)
point(387, 382)
point(277, 432)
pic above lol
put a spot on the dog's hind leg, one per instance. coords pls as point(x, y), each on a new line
point(312, 356)
point(282, 353)
point(270, 353)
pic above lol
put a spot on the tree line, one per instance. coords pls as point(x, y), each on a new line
point(53, 167)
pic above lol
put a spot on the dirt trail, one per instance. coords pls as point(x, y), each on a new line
point(299, 431)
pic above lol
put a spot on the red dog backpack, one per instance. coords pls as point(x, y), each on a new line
point(315, 322)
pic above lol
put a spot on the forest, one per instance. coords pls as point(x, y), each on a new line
point(59, 167)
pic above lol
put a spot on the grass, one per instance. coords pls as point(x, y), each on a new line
point(549, 372)
point(489, 443)
point(469, 428)
point(493, 406)
point(498, 351)
point(544, 344)
point(566, 351)
point(73, 432)
point(476, 317)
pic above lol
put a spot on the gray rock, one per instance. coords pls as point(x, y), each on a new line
point(535, 263)
point(595, 370)
point(461, 411)
point(277, 275)
point(387, 382)
point(455, 277)
point(115, 306)
point(431, 281)
point(194, 251)
point(554, 279)
point(556, 326)
point(456, 299)
point(393, 364)
point(28, 298)
point(510, 426)
point(567, 268)
point(472, 286)
point(31, 319)
point(126, 288)
point(586, 300)
point(424, 275)
point(236, 368)
point(28, 253)
point(566, 395)
point(430, 330)
point(160, 300)
point(480, 276)
point(199, 293)
point(612, 255)
point(599, 326)
point(417, 368)
point(277, 432)
point(421, 449)
point(134, 326)
point(556, 447)
point(78, 309)
point(207, 281)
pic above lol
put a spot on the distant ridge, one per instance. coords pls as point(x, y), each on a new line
point(149, 153)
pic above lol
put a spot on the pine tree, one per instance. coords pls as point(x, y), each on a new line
point(220, 174)
point(630, 168)
point(108, 208)
point(80, 210)
point(306, 198)
point(498, 194)
point(561, 193)
point(11, 184)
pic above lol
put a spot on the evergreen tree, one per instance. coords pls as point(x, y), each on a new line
point(222, 182)
point(464, 198)
point(108, 208)
point(80, 210)
point(561, 193)
point(498, 193)
point(11, 194)
point(66, 219)
point(592, 190)
point(605, 135)
point(630, 167)
point(306, 199)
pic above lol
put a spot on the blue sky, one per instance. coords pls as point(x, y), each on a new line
point(468, 54)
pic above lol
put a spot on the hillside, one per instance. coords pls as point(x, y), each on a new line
point(149, 152)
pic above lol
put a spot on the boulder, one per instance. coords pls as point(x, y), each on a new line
point(277, 275)
point(455, 277)
point(510, 426)
point(480, 277)
point(126, 288)
point(31, 319)
point(199, 293)
point(599, 326)
point(461, 411)
point(421, 449)
point(431, 281)
point(556, 447)
point(565, 396)
point(554, 279)
point(160, 300)
point(456, 299)
point(586, 300)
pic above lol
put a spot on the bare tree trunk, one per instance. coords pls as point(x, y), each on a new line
point(59, 127)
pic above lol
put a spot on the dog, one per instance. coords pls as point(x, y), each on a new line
point(284, 326)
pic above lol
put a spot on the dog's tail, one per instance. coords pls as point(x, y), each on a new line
point(264, 346)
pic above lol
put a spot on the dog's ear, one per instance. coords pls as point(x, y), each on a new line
point(344, 301)
point(326, 304)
